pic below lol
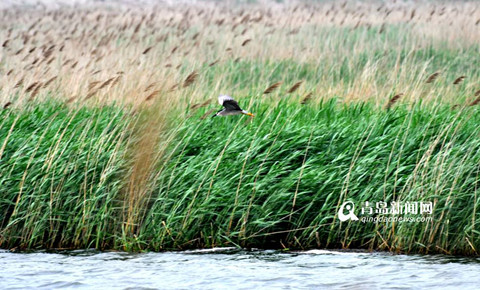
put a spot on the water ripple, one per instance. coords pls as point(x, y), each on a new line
point(236, 269)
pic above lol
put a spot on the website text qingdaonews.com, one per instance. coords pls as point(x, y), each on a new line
point(384, 219)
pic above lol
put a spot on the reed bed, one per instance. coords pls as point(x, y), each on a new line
point(355, 51)
point(278, 181)
point(106, 139)
point(61, 175)
point(274, 182)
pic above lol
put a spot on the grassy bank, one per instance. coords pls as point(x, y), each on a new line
point(279, 180)
point(106, 140)
point(275, 181)
point(61, 174)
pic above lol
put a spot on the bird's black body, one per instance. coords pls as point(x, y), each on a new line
point(231, 105)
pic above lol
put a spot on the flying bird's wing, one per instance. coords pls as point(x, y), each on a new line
point(223, 98)
point(229, 103)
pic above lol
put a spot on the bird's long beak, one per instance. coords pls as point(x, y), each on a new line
point(250, 114)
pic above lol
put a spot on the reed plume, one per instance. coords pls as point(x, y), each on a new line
point(190, 79)
point(150, 86)
point(19, 83)
point(106, 83)
point(393, 100)
point(35, 92)
point(306, 99)
point(31, 87)
point(49, 82)
point(294, 87)
point(7, 105)
point(152, 95)
point(147, 50)
point(475, 102)
point(92, 85)
point(213, 63)
point(432, 77)
point(477, 99)
point(246, 42)
point(272, 87)
point(458, 80)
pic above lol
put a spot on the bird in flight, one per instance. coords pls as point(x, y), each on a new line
point(230, 107)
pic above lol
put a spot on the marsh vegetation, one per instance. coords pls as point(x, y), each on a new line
point(106, 140)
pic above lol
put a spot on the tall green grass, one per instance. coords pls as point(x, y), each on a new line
point(142, 173)
point(276, 181)
point(61, 172)
point(279, 180)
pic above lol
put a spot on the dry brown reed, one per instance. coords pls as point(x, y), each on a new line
point(73, 43)
point(31, 87)
point(246, 41)
point(475, 102)
point(393, 100)
point(147, 50)
point(48, 82)
point(190, 79)
point(294, 87)
point(306, 99)
point(145, 154)
point(272, 87)
point(458, 80)
point(213, 63)
point(150, 86)
point(432, 77)
point(152, 95)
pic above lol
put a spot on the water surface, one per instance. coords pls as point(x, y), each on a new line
point(235, 269)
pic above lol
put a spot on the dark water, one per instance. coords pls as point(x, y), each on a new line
point(235, 269)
